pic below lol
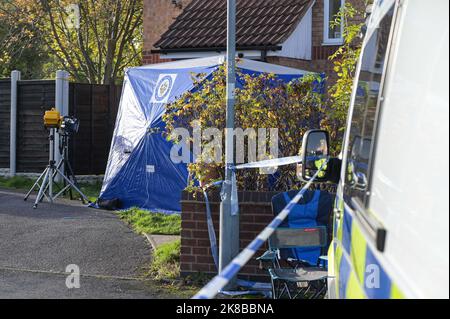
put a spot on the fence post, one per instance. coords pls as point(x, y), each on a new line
point(15, 77)
point(62, 105)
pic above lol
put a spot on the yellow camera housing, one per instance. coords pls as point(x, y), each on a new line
point(52, 119)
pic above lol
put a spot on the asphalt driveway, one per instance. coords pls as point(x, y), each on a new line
point(36, 246)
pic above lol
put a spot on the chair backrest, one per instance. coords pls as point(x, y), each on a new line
point(313, 210)
point(284, 238)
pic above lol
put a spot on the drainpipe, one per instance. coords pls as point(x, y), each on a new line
point(15, 77)
point(264, 55)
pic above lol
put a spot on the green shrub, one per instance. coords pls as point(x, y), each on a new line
point(345, 61)
point(263, 102)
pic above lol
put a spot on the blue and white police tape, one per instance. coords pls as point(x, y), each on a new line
point(271, 163)
point(230, 271)
point(209, 222)
point(234, 197)
point(255, 288)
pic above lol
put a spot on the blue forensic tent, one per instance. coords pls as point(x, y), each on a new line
point(140, 171)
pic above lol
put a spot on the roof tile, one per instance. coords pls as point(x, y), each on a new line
point(202, 24)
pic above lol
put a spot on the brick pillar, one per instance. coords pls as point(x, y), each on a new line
point(256, 213)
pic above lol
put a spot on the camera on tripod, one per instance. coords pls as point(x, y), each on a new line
point(69, 125)
point(65, 125)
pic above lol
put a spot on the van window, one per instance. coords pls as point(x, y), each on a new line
point(365, 113)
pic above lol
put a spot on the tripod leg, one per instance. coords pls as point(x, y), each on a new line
point(71, 174)
point(45, 190)
point(53, 178)
point(74, 186)
point(41, 190)
point(35, 184)
point(66, 187)
point(62, 191)
point(66, 172)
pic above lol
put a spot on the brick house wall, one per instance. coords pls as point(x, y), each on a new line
point(158, 16)
point(320, 53)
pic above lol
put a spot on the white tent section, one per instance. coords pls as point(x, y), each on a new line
point(140, 172)
point(246, 64)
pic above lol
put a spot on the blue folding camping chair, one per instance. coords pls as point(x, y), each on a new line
point(296, 249)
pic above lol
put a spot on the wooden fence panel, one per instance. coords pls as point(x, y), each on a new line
point(5, 110)
point(81, 143)
point(34, 98)
point(96, 107)
point(101, 138)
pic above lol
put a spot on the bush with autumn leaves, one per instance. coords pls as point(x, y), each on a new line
point(263, 102)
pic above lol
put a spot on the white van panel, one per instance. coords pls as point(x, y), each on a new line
point(411, 173)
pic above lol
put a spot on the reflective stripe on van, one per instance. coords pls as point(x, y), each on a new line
point(359, 274)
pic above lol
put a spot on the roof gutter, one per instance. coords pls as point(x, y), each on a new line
point(217, 49)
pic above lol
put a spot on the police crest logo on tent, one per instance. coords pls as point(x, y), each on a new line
point(163, 88)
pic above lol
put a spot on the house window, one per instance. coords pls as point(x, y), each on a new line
point(332, 33)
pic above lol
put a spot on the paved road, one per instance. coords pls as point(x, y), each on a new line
point(36, 246)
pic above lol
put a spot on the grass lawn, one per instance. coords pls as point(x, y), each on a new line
point(166, 261)
point(91, 190)
point(145, 222)
point(16, 182)
point(166, 258)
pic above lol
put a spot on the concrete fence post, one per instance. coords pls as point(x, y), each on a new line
point(62, 105)
point(15, 77)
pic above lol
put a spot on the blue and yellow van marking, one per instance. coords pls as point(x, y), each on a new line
point(359, 274)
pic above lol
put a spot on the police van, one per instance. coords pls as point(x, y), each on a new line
point(391, 217)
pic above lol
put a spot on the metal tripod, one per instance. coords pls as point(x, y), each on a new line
point(52, 170)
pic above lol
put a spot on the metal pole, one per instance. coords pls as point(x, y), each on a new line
point(15, 77)
point(61, 104)
point(51, 151)
point(229, 223)
point(66, 94)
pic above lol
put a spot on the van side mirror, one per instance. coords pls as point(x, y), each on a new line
point(315, 152)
